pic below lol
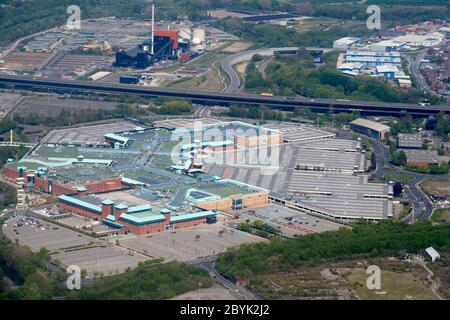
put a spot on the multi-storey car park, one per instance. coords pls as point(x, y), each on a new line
point(145, 179)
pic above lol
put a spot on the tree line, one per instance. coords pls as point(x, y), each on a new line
point(266, 35)
point(296, 75)
point(403, 11)
point(20, 18)
point(364, 240)
point(67, 117)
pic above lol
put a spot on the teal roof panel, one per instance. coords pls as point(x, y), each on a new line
point(142, 220)
point(141, 208)
point(80, 203)
point(192, 216)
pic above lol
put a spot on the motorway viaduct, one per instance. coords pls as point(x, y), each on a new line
point(280, 102)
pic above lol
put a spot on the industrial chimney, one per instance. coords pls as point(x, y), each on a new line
point(153, 29)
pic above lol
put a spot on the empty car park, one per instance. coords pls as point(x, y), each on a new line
point(36, 234)
point(189, 244)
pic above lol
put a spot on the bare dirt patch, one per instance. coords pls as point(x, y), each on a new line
point(221, 13)
point(441, 188)
point(241, 68)
point(237, 47)
point(52, 106)
point(25, 60)
point(214, 293)
point(346, 280)
point(394, 286)
point(303, 283)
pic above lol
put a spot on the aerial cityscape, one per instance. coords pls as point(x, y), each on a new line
point(224, 150)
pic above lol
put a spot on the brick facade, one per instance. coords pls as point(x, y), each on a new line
point(187, 224)
point(10, 174)
point(113, 184)
point(249, 201)
point(144, 229)
point(106, 185)
point(78, 210)
point(135, 229)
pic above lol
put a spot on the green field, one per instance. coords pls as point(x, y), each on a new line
point(227, 190)
point(58, 152)
point(394, 286)
point(405, 212)
point(441, 216)
point(207, 59)
point(185, 83)
point(305, 283)
point(402, 177)
point(209, 81)
point(326, 24)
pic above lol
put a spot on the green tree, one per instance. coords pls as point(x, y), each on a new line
point(399, 158)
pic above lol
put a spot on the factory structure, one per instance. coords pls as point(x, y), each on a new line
point(409, 41)
point(370, 128)
point(380, 54)
point(162, 45)
point(374, 63)
point(346, 43)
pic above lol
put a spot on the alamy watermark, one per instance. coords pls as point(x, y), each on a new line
point(236, 144)
point(74, 20)
point(74, 279)
point(374, 279)
point(374, 20)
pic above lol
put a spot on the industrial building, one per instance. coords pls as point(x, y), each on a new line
point(370, 128)
point(408, 42)
point(163, 45)
point(388, 46)
point(409, 141)
point(373, 58)
point(421, 158)
point(374, 63)
point(351, 69)
point(346, 43)
point(432, 254)
point(387, 71)
point(421, 40)
point(129, 79)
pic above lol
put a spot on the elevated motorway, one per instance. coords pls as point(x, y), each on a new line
point(281, 102)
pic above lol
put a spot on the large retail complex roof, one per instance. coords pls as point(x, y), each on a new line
point(313, 169)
